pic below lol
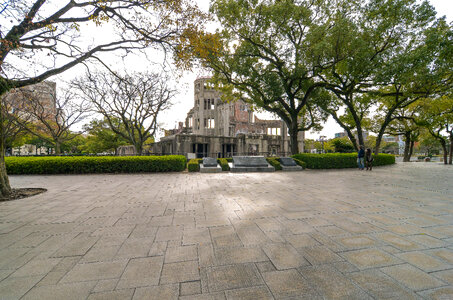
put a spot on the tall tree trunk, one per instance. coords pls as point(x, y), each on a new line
point(138, 149)
point(377, 148)
point(353, 140)
point(407, 146)
point(445, 149)
point(5, 187)
point(57, 148)
point(381, 133)
point(293, 132)
point(360, 135)
point(411, 151)
point(451, 148)
point(358, 122)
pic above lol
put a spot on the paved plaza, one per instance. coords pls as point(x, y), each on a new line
point(385, 234)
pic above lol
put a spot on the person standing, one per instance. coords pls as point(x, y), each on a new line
point(360, 158)
point(369, 159)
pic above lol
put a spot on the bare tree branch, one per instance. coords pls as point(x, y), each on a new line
point(135, 100)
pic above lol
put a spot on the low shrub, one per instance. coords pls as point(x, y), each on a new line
point(383, 159)
point(194, 165)
point(99, 164)
point(224, 164)
point(273, 161)
point(300, 163)
point(339, 160)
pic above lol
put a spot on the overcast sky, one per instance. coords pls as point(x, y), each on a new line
point(184, 100)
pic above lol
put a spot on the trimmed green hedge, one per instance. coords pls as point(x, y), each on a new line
point(383, 159)
point(194, 165)
point(300, 163)
point(273, 161)
point(224, 164)
point(96, 164)
point(340, 160)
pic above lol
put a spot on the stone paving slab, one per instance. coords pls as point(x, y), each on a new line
point(340, 234)
point(412, 277)
point(289, 284)
point(95, 271)
point(381, 286)
point(232, 277)
point(370, 258)
point(141, 272)
point(331, 284)
point(180, 272)
point(71, 291)
point(112, 295)
point(284, 256)
point(438, 294)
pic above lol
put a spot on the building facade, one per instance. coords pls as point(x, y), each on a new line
point(20, 99)
point(222, 129)
point(44, 93)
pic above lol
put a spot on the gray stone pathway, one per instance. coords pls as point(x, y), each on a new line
point(385, 234)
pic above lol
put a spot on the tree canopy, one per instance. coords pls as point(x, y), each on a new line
point(269, 54)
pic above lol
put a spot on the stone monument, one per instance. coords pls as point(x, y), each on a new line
point(210, 165)
point(288, 164)
point(251, 164)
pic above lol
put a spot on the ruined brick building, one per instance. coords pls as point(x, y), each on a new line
point(222, 129)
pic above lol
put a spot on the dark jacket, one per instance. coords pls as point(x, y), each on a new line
point(361, 153)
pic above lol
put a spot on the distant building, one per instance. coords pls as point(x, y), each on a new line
point(168, 132)
point(395, 139)
point(18, 99)
point(44, 92)
point(345, 134)
point(341, 134)
point(222, 129)
point(392, 138)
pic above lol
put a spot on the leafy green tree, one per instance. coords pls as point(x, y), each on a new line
point(370, 142)
point(74, 145)
point(101, 138)
point(309, 144)
point(371, 36)
point(269, 54)
point(415, 73)
point(404, 124)
point(342, 145)
point(39, 143)
point(436, 115)
point(428, 144)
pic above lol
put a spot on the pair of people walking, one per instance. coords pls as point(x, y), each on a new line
point(365, 158)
